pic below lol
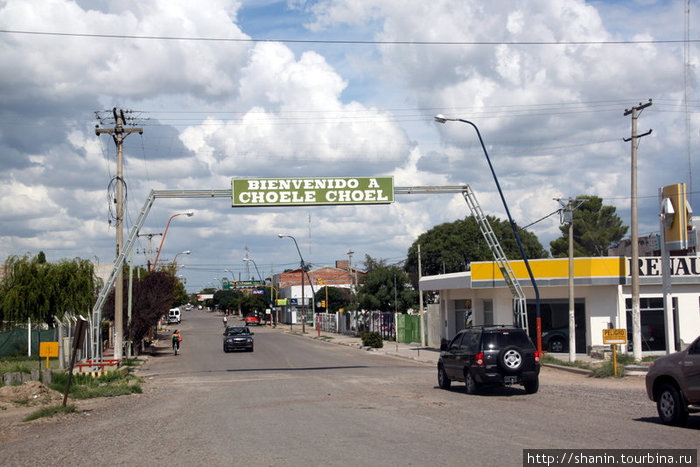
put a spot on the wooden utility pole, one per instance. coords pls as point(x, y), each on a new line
point(118, 134)
point(634, 264)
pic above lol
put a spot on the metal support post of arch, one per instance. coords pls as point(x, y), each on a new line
point(519, 305)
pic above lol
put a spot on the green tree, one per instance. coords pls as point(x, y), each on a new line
point(385, 288)
point(252, 302)
point(596, 228)
point(37, 290)
point(227, 299)
point(338, 297)
point(452, 246)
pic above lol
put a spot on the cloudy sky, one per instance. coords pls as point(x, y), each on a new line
point(263, 88)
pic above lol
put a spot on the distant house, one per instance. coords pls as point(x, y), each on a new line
point(289, 283)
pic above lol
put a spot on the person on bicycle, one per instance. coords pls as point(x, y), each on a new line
point(176, 338)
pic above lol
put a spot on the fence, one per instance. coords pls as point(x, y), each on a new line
point(327, 321)
point(14, 342)
point(383, 323)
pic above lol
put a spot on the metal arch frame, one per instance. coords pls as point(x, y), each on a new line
point(465, 190)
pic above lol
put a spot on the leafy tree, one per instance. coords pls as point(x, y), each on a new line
point(338, 297)
point(452, 246)
point(385, 288)
point(153, 295)
point(251, 302)
point(227, 299)
point(180, 293)
point(40, 291)
point(596, 228)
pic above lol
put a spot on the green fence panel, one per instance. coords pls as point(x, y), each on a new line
point(14, 342)
point(408, 328)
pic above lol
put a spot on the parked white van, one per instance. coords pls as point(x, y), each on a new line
point(174, 316)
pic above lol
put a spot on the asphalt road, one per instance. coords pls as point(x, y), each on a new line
point(299, 401)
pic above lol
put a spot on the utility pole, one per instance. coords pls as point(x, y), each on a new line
point(118, 134)
point(634, 264)
point(421, 313)
point(567, 217)
point(150, 248)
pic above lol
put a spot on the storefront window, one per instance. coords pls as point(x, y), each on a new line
point(651, 314)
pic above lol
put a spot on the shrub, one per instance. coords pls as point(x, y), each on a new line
point(109, 384)
point(49, 412)
point(372, 339)
point(607, 369)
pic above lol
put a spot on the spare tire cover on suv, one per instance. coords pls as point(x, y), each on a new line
point(511, 359)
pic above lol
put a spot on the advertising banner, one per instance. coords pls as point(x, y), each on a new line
point(257, 192)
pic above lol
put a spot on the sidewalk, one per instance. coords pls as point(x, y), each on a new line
point(413, 351)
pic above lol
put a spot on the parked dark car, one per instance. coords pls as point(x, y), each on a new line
point(238, 337)
point(673, 382)
point(489, 355)
point(556, 340)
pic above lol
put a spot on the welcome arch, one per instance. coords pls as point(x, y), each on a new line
point(318, 191)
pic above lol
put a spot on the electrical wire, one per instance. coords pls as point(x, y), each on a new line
point(345, 41)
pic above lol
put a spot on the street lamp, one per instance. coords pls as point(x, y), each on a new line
point(256, 268)
point(246, 259)
point(186, 252)
point(303, 271)
point(443, 119)
point(162, 239)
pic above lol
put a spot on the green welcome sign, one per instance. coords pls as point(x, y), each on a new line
point(256, 192)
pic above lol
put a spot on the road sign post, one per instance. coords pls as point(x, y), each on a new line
point(614, 337)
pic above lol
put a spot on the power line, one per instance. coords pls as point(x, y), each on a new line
point(346, 41)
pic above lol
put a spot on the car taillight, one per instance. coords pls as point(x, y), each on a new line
point(479, 359)
point(537, 357)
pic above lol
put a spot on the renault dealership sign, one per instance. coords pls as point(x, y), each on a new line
point(312, 191)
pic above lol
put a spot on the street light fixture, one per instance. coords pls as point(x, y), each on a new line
point(186, 252)
point(303, 271)
point(162, 239)
point(256, 268)
point(262, 282)
point(443, 119)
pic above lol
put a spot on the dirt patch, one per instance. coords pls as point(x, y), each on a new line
point(30, 394)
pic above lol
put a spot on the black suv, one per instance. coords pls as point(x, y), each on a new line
point(487, 355)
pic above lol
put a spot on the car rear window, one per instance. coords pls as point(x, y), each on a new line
point(502, 339)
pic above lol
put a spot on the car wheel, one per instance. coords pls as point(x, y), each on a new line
point(557, 345)
point(511, 359)
point(470, 384)
point(443, 381)
point(670, 406)
point(533, 386)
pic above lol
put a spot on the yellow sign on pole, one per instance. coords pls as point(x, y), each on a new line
point(614, 337)
point(48, 349)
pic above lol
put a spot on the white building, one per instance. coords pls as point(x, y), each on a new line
point(602, 293)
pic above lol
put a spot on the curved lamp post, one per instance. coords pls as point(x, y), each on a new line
point(443, 119)
point(160, 248)
point(259, 276)
point(186, 252)
point(303, 271)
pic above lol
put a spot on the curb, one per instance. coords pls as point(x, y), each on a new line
point(570, 369)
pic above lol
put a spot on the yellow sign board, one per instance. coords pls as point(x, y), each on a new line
point(614, 336)
point(48, 349)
